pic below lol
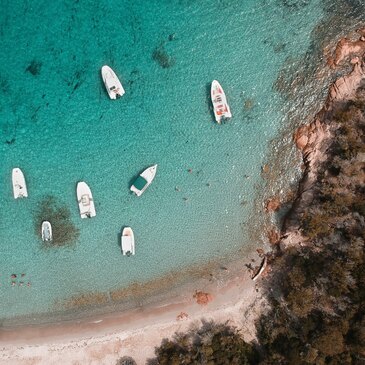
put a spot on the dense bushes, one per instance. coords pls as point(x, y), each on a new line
point(208, 345)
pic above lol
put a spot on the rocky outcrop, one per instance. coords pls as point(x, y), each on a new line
point(346, 86)
point(313, 139)
point(202, 298)
point(273, 204)
point(346, 47)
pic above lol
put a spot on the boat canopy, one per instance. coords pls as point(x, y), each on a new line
point(140, 183)
point(85, 200)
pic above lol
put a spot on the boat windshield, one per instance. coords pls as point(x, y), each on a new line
point(85, 200)
point(140, 183)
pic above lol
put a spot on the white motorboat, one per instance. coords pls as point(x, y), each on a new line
point(19, 185)
point(46, 231)
point(112, 84)
point(127, 242)
point(144, 180)
point(85, 200)
point(219, 100)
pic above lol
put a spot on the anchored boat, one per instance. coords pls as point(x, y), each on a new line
point(112, 84)
point(19, 185)
point(46, 231)
point(127, 242)
point(219, 100)
point(85, 200)
point(144, 180)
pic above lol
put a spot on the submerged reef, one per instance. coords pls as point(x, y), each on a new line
point(64, 231)
point(294, 5)
point(34, 67)
point(161, 56)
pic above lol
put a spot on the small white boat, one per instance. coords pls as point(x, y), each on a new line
point(127, 242)
point(112, 84)
point(144, 180)
point(46, 231)
point(19, 185)
point(219, 100)
point(85, 200)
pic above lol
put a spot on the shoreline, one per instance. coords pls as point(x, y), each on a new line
point(312, 139)
point(173, 287)
point(133, 333)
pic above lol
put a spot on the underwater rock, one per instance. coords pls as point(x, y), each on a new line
point(34, 68)
point(248, 104)
point(280, 47)
point(162, 58)
point(295, 5)
point(10, 141)
point(273, 204)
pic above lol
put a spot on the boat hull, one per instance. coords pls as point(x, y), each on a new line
point(127, 242)
point(148, 174)
point(220, 106)
point(19, 185)
point(112, 84)
point(85, 200)
point(46, 231)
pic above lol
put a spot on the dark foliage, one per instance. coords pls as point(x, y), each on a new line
point(126, 360)
point(210, 344)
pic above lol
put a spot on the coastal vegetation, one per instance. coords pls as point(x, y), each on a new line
point(211, 343)
point(126, 360)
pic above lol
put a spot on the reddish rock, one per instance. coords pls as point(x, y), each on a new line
point(273, 236)
point(331, 62)
point(202, 298)
point(260, 251)
point(265, 168)
point(344, 87)
point(181, 316)
point(301, 137)
point(272, 205)
point(346, 47)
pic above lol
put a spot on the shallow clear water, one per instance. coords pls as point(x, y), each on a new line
point(59, 126)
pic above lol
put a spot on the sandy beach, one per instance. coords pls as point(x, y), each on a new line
point(104, 339)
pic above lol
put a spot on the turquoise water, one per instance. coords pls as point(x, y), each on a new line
point(59, 127)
